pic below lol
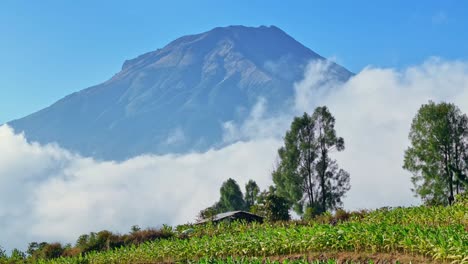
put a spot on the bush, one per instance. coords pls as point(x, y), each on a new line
point(50, 251)
point(106, 240)
point(462, 199)
point(150, 234)
point(324, 218)
point(272, 207)
point(71, 252)
point(101, 241)
point(342, 216)
point(358, 215)
point(17, 255)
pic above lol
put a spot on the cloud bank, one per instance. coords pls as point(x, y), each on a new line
point(47, 193)
point(50, 194)
point(373, 114)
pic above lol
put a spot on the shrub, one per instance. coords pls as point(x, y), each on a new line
point(342, 216)
point(17, 255)
point(50, 251)
point(71, 252)
point(462, 199)
point(150, 234)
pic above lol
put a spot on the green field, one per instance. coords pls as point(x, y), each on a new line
point(417, 234)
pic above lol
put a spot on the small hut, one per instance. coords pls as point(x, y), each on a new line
point(233, 216)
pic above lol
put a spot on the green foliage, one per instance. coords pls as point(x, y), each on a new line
point(251, 194)
point(438, 154)
point(134, 228)
point(44, 250)
point(32, 247)
point(272, 206)
point(313, 211)
point(106, 240)
point(306, 175)
point(231, 200)
point(462, 199)
point(17, 256)
point(85, 244)
point(231, 197)
point(3, 255)
point(257, 260)
point(436, 232)
point(49, 251)
point(103, 240)
point(208, 212)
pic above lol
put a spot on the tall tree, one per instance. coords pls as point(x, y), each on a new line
point(251, 193)
point(333, 181)
point(231, 200)
point(437, 156)
point(231, 197)
point(306, 174)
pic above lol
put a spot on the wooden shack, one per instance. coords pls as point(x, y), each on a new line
point(233, 216)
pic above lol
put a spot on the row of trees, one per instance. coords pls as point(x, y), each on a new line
point(266, 203)
point(308, 180)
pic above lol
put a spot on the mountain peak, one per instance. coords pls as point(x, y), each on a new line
point(241, 28)
point(176, 98)
point(261, 43)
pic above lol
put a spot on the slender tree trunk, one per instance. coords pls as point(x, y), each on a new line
point(309, 174)
point(308, 183)
point(311, 190)
point(457, 167)
point(324, 192)
point(451, 198)
point(324, 169)
point(449, 175)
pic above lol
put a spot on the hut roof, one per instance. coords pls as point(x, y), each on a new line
point(232, 215)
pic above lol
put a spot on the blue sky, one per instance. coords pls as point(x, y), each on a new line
point(49, 49)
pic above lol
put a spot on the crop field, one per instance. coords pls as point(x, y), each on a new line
point(434, 234)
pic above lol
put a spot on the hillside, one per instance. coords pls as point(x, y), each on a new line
point(400, 235)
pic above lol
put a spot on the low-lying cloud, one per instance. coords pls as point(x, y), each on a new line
point(373, 113)
point(47, 193)
point(50, 194)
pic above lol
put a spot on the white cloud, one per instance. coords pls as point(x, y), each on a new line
point(48, 193)
point(258, 124)
point(177, 136)
point(373, 114)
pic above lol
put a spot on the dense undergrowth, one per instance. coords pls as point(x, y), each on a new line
point(436, 233)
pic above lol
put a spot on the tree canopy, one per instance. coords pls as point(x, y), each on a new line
point(271, 206)
point(306, 174)
point(438, 155)
point(251, 193)
point(231, 197)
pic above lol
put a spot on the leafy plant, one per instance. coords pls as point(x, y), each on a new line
point(436, 232)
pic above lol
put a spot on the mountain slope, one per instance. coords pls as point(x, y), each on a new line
point(176, 98)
